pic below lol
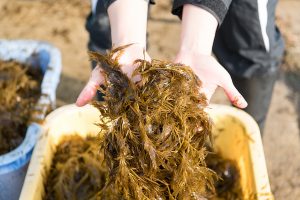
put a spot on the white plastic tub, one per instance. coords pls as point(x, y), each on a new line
point(13, 165)
point(236, 136)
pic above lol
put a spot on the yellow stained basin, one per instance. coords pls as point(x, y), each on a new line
point(236, 136)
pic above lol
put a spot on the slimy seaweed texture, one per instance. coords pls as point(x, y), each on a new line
point(155, 131)
point(77, 171)
point(19, 92)
point(228, 185)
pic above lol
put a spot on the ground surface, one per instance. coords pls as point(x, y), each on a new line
point(61, 22)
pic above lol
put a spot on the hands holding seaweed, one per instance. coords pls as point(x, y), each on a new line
point(128, 20)
point(208, 70)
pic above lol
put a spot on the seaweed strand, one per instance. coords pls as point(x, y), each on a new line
point(154, 148)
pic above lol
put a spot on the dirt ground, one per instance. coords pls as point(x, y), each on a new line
point(61, 22)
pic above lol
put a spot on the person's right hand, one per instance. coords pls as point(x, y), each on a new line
point(126, 60)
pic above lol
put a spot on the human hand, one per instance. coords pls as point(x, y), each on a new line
point(197, 35)
point(126, 60)
point(128, 22)
point(212, 75)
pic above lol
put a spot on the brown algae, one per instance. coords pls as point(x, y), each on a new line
point(154, 148)
point(77, 170)
point(19, 92)
point(227, 186)
point(153, 144)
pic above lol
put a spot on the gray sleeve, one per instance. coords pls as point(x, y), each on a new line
point(218, 8)
point(106, 3)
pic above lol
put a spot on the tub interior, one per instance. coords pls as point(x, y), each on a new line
point(232, 138)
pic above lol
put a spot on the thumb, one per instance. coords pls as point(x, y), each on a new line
point(233, 94)
point(90, 89)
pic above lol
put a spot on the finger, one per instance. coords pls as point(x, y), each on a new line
point(137, 77)
point(234, 95)
point(90, 89)
point(225, 81)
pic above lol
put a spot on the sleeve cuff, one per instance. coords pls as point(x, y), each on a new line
point(216, 7)
point(107, 3)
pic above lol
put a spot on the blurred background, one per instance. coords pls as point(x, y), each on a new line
point(62, 23)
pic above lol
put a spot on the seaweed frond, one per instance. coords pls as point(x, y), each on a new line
point(154, 148)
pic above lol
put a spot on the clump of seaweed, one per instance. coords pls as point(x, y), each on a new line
point(227, 186)
point(77, 170)
point(19, 91)
point(154, 145)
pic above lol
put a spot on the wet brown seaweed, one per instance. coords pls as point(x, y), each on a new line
point(77, 171)
point(228, 185)
point(154, 148)
point(19, 91)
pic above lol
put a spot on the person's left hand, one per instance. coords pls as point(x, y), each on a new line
point(212, 75)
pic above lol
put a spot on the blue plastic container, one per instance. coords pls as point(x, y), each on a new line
point(13, 165)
